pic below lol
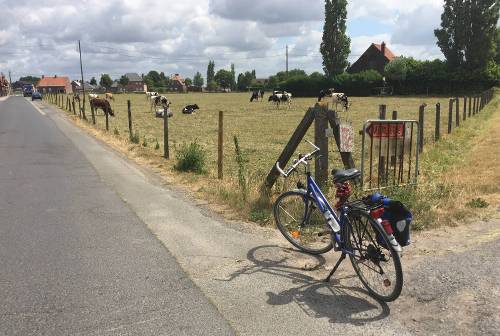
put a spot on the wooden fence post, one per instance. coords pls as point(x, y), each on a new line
point(421, 128)
point(220, 153)
point(438, 122)
point(129, 114)
point(166, 150)
point(320, 139)
point(107, 119)
point(381, 111)
point(465, 108)
point(450, 115)
point(457, 112)
point(470, 106)
point(74, 110)
point(80, 108)
point(92, 111)
point(394, 115)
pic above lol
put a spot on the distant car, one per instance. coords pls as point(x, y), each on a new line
point(36, 95)
point(28, 90)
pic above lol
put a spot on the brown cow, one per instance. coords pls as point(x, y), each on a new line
point(103, 104)
point(109, 96)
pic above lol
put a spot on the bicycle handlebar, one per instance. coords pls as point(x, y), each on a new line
point(302, 159)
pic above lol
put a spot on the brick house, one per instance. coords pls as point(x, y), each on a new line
point(135, 83)
point(177, 83)
point(374, 58)
point(54, 84)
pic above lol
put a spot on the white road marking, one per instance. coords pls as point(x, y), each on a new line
point(37, 108)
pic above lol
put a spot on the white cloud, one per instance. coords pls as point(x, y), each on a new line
point(121, 36)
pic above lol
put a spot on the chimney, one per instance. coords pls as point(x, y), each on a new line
point(382, 47)
point(55, 76)
point(43, 76)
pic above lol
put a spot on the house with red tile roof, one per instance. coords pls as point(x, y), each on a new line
point(54, 84)
point(374, 58)
point(177, 83)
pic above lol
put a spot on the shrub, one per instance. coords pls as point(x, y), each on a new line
point(144, 142)
point(191, 158)
point(135, 138)
point(157, 145)
point(116, 132)
point(477, 203)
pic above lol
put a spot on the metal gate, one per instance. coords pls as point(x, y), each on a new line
point(389, 153)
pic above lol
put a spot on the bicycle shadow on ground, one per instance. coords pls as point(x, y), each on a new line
point(337, 300)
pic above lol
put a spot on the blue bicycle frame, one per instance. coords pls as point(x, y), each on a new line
point(315, 192)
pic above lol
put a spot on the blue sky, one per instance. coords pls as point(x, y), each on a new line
point(121, 36)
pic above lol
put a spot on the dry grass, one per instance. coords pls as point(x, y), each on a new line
point(262, 132)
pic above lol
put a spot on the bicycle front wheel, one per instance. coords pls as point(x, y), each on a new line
point(373, 258)
point(301, 222)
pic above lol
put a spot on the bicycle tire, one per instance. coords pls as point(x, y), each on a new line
point(306, 228)
point(371, 251)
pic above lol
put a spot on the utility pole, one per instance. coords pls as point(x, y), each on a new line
point(287, 60)
point(83, 83)
point(10, 84)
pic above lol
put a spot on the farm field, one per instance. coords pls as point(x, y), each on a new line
point(262, 130)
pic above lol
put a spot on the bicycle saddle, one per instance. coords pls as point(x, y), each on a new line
point(341, 175)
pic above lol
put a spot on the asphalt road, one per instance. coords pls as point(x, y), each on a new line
point(74, 259)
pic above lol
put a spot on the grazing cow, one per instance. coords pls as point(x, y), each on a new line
point(279, 97)
point(93, 96)
point(103, 104)
point(109, 96)
point(261, 94)
point(157, 101)
point(255, 96)
point(337, 98)
point(189, 109)
point(150, 94)
point(326, 93)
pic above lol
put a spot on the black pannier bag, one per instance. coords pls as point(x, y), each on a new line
point(400, 218)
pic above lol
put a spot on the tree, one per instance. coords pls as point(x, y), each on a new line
point(188, 81)
point(497, 56)
point(233, 79)
point(467, 33)
point(244, 81)
point(198, 80)
point(212, 85)
point(31, 79)
point(224, 78)
point(93, 81)
point(335, 46)
point(210, 71)
point(123, 80)
point(106, 81)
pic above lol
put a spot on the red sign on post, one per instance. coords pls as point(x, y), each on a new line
point(386, 130)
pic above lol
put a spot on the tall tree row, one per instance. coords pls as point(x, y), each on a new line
point(335, 46)
point(467, 36)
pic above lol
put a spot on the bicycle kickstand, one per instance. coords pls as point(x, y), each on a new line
point(342, 257)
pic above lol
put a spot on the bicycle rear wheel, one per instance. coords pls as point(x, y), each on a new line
point(302, 223)
point(374, 260)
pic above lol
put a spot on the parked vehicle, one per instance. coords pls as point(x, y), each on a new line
point(36, 95)
point(28, 90)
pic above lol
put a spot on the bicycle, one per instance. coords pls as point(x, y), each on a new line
point(307, 221)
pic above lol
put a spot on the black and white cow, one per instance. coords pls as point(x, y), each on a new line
point(337, 98)
point(280, 97)
point(189, 109)
point(159, 101)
